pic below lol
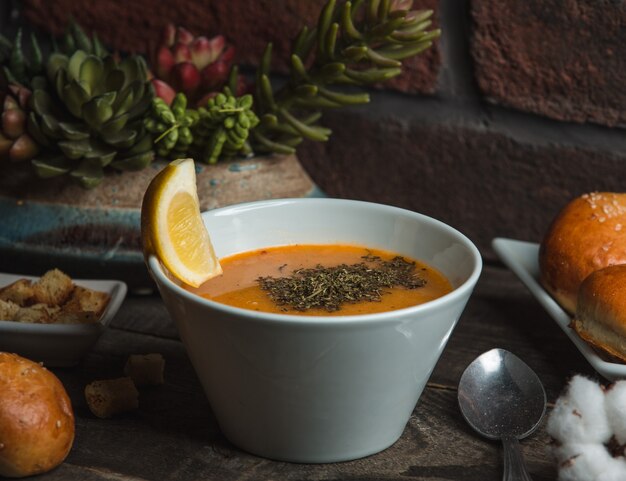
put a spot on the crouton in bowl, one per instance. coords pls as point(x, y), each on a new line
point(54, 319)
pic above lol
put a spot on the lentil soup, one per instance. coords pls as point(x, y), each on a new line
point(256, 279)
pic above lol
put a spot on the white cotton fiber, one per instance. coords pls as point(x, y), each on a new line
point(615, 403)
point(614, 471)
point(566, 452)
point(584, 462)
point(579, 416)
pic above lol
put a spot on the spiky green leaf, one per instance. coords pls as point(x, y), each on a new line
point(55, 62)
point(32, 125)
point(89, 173)
point(74, 96)
point(75, 63)
point(123, 139)
point(91, 72)
point(51, 166)
point(50, 127)
point(74, 130)
point(98, 110)
point(114, 125)
point(135, 162)
point(41, 102)
point(75, 149)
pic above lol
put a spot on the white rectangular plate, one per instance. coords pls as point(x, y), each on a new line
point(522, 258)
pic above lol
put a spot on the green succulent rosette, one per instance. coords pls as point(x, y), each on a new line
point(91, 117)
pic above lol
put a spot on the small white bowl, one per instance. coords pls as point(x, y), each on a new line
point(320, 389)
point(59, 345)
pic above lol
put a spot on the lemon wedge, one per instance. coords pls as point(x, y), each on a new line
point(172, 228)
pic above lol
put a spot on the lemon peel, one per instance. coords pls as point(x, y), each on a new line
point(172, 228)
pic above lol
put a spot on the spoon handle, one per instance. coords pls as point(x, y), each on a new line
point(514, 466)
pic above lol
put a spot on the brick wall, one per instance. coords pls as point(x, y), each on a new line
point(519, 107)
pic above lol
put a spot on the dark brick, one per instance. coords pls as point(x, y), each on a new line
point(249, 24)
point(485, 184)
point(561, 59)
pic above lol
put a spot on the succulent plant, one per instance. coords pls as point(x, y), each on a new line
point(171, 126)
point(92, 118)
point(219, 129)
point(89, 110)
point(15, 143)
point(195, 66)
point(355, 44)
point(20, 65)
point(22, 62)
point(224, 126)
point(75, 38)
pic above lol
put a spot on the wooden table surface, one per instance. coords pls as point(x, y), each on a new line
point(173, 435)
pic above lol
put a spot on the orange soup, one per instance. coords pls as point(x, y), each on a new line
point(323, 280)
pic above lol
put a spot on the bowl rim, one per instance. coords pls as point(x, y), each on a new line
point(157, 270)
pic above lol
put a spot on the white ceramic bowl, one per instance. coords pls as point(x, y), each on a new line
point(320, 389)
point(59, 344)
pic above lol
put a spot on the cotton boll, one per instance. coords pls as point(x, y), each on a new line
point(566, 452)
point(615, 402)
point(614, 471)
point(584, 462)
point(579, 416)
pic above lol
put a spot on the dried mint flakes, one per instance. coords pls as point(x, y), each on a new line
point(329, 287)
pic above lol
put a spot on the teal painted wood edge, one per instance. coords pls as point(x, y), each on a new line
point(23, 220)
point(25, 226)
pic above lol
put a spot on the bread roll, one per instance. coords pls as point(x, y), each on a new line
point(601, 311)
point(587, 235)
point(36, 418)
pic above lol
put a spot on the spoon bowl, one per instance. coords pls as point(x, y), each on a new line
point(502, 398)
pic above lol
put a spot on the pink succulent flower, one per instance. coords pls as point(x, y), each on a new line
point(195, 66)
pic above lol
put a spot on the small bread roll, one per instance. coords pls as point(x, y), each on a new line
point(601, 311)
point(587, 235)
point(36, 418)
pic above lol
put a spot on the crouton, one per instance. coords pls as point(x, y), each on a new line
point(53, 288)
point(8, 309)
point(38, 314)
point(20, 292)
point(75, 317)
point(83, 306)
point(112, 396)
point(145, 369)
point(52, 298)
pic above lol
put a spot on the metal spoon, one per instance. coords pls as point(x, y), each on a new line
point(502, 398)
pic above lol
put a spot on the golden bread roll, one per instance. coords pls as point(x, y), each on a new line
point(587, 235)
point(36, 418)
point(601, 311)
